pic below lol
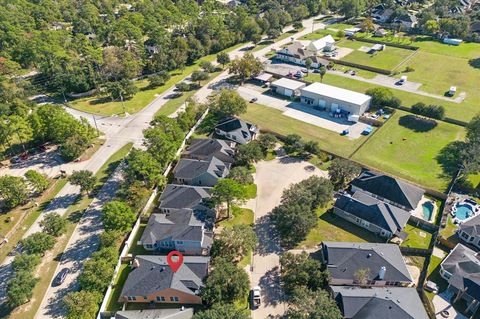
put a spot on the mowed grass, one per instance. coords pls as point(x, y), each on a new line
point(417, 238)
point(460, 111)
point(270, 119)
point(408, 153)
point(388, 59)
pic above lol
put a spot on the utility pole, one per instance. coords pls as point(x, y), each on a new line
point(96, 126)
point(123, 104)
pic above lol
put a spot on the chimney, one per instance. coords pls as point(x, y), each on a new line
point(381, 273)
point(135, 263)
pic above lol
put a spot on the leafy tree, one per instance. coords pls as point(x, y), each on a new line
point(25, 262)
point(199, 76)
point(249, 153)
point(37, 181)
point(298, 25)
point(362, 275)
point(222, 311)
point(73, 147)
point(121, 90)
point(109, 238)
point(267, 141)
point(368, 25)
point(342, 172)
point(293, 222)
point(81, 304)
point(307, 304)
point(183, 86)
point(431, 111)
point(299, 270)
point(223, 58)
point(117, 216)
point(207, 66)
point(382, 97)
point(13, 191)
point(246, 67)
point(85, 179)
point(294, 144)
point(241, 174)
point(308, 63)
point(54, 224)
point(228, 103)
point(20, 288)
point(228, 191)
point(312, 147)
point(351, 8)
point(144, 167)
point(96, 275)
point(234, 243)
point(226, 283)
point(38, 243)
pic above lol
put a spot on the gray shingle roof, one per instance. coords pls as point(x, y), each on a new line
point(374, 211)
point(192, 168)
point(390, 188)
point(379, 302)
point(464, 265)
point(179, 313)
point(154, 274)
point(184, 196)
point(237, 126)
point(208, 147)
point(471, 226)
point(183, 225)
point(345, 259)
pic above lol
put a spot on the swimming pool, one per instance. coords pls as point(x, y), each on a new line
point(428, 208)
point(463, 211)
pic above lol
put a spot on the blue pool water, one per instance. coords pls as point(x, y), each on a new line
point(427, 210)
point(463, 211)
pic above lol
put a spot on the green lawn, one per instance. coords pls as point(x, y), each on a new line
point(138, 249)
point(417, 238)
point(433, 274)
point(333, 228)
point(320, 34)
point(408, 153)
point(251, 191)
point(387, 60)
point(241, 216)
point(113, 304)
point(271, 119)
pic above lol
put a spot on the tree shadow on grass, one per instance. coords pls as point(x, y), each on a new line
point(474, 63)
point(417, 124)
point(449, 158)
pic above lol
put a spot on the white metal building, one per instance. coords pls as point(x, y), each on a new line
point(287, 87)
point(334, 99)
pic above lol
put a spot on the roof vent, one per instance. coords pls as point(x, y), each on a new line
point(162, 269)
point(381, 273)
point(369, 255)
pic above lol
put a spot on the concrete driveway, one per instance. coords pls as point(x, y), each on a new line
point(272, 177)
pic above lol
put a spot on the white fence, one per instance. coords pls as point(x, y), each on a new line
point(128, 243)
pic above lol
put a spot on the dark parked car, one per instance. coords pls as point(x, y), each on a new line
point(60, 277)
point(253, 100)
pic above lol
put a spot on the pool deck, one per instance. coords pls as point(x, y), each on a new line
point(418, 212)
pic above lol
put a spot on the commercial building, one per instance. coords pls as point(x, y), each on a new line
point(287, 87)
point(334, 99)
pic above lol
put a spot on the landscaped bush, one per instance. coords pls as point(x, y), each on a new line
point(431, 111)
point(382, 97)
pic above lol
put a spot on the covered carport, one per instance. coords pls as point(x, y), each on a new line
point(287, 87)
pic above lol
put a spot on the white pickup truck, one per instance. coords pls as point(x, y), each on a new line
point(255, 297)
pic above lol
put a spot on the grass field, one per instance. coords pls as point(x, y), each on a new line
point(387, 60)
point(241, 216)
point(463, 111)
point(417, 238)
point(409, 152)
point(333, 228)
point(273, 120)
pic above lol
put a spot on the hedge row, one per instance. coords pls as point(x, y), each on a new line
point(396, 45)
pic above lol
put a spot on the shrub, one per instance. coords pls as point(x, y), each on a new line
point(431, 111)
point(409, 69)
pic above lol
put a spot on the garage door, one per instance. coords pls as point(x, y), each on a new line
point(288, 92)
point(334, 107)
point(322, 103)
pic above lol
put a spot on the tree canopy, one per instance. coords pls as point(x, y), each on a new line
point(117, 216)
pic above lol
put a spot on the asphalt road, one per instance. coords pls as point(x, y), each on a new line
point(118, 132)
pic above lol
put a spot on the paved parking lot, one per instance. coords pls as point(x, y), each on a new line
point(302, 112)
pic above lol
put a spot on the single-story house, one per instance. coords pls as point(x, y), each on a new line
point(188, 231)
point(365, 264)
point(175, 198)
point(200, 172)
point(382, 15)
point(325, 44)
point(351, 31)
point(469, 231)
point(379, 302)
point(461, 269)
point(371, 213)
point(407, 21)
point(287, 87)
point(153, 281)
point(236, 130)
point(263, 77)
point(206, 148)
point(173, 313)
point(452, 41)
point(389, 189)
point(380, 33)
point(296, 53)
point(335, 99)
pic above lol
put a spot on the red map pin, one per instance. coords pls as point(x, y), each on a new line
point(175, 264)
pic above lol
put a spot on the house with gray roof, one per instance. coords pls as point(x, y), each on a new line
point(371, 213)
point(176, 313)
point(389, 189)
point(366, 264)
point(236, 130)
point(379, 302)
point(206, 148)
point(469, 231)
point(151, 280)
point(200, 172)
point(188, 231)
point(176, 198)
point(461, 269)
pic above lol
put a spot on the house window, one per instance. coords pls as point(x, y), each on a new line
point(160, 298)
point(174, 299)
point(234, 137)
point(148, 246)
point(179, 242)
point(465, 235)
point(132, 298)
point(145, 297)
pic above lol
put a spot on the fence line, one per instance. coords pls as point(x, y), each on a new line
point(136, 227)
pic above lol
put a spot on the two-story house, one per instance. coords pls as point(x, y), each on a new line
point(365, 264)
point(236, 130)
point(206, 148)
point(469, 231)
point(200, 172)
point(188, 231)
point(176, 198)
